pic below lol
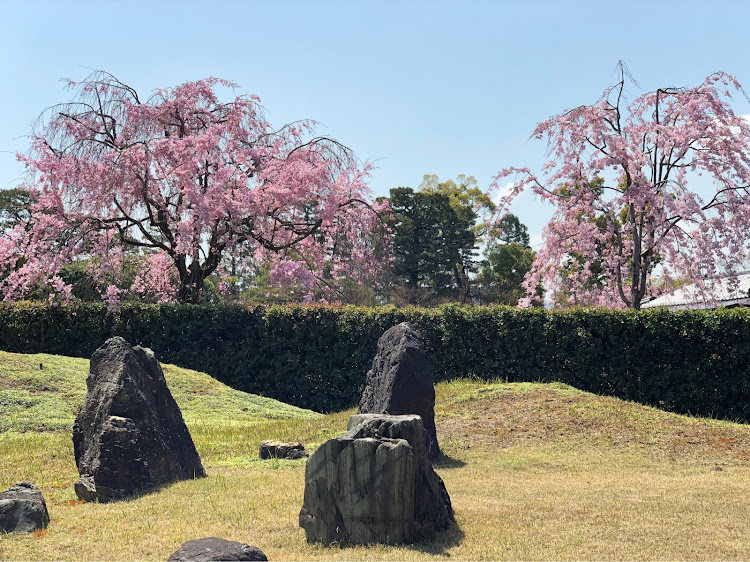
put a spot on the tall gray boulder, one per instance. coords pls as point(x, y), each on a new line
point(400, 383)
point(374, 484)
point(129, 434)
point(22, 509)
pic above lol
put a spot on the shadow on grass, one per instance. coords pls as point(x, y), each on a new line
point(437, 544)
point(140, 492)
point(432, 543)
point(445, 461)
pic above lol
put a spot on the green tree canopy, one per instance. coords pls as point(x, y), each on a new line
point(469, 202)
point(433, 243)
point(14, 207)
point(510, 230)
point(508, 258)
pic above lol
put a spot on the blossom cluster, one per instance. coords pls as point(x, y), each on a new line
point(618, 176)
point(184, 179)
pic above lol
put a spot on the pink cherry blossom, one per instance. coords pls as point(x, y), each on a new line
point(187, 180)
point(618, 175)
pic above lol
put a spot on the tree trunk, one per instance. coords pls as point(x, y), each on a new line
point(462, 284)
point(191, 284)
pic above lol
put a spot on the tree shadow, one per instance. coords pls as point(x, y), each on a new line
point(445, 461)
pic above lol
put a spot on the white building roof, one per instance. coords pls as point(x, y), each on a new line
point(716, 292)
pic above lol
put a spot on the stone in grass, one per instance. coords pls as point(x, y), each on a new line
point(359, 491)
point(374, 484)
point(129, 435)
point(432, 504)
point(400, 383)
point(282, 450)
point(22, 509)
point(214, 548)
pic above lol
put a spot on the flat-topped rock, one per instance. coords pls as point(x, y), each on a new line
point(282, 450)
point(432, 504)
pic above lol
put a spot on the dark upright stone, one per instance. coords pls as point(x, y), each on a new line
point(129, 434)
point(432, 504)
point(400, 383)
point(374, 484)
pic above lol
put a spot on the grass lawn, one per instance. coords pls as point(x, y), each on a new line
point(535, 472)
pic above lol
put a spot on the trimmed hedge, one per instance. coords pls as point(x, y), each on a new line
point(316, 357)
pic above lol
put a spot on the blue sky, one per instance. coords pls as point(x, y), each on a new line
point(417, 87)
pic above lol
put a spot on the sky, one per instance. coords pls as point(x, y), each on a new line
point(418, 88)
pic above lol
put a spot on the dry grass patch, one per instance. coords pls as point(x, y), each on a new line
point(551, 502)
point(535, 472)
point(491, 416)
point(555, 473)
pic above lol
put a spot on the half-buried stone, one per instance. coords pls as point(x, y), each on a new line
point(215, 548)
point(129, 435)
point(282, 450)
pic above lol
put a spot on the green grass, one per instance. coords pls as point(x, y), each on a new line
point(48, 398)
point(535, 472)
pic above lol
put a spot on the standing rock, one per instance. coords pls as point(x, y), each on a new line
point(400, 383)
point(22, 509)
point(432, 504)
point(373, 485)
point(129, 434)
point(281, 450)
point(214, 548)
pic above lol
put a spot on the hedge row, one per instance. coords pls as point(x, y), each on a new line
point(317, 356)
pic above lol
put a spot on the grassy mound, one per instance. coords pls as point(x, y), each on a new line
point(534, 472)
point(43, 393)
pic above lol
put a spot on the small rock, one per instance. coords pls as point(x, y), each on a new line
point(85, 488)
point(214, 548)
point(22, 509)
point(281, 450)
